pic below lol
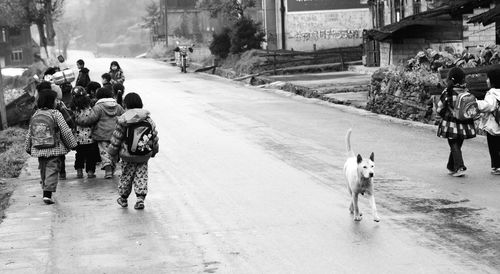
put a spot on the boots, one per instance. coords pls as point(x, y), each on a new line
point(108, 172)
point(90, 174)
point(79, 173)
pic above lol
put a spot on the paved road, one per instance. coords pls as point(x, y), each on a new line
point(250, 181)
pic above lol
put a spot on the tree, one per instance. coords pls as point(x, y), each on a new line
point(66, 29)
point(221, 43)
point(183, 29)
point(153, 15)
point(152, 19)
point(42, 13)
point(50, 12)
point(231, 9)
point(247, 35)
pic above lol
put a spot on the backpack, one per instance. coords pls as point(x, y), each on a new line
point(44, 130)
point(139, 138)
point(496, 113)
point(465, 107)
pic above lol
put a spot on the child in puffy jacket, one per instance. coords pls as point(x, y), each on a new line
point(87, 151)
point(135, 140)
point(103, 117)
point(48, 138)
point(489, 123)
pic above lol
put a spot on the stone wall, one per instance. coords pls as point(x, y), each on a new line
point(326, 29)
point(405, 95)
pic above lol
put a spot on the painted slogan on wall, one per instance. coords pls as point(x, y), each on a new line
point(310, 5)
point(326, 29)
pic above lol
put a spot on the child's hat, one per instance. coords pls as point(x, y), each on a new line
point(79, 91)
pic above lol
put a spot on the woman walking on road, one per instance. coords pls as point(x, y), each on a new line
point(489, 122)
point(456, 131)
point(117, 76)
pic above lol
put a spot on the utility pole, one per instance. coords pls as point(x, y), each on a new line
point(165, 19)
point(283, 23)
point(3, 111)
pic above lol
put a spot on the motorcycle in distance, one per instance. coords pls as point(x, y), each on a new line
point(181, 56)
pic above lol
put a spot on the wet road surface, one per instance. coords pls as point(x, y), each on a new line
point(250, 181)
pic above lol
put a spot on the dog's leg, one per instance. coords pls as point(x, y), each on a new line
point(376, 218)
point(351, 208)
point(357, 214)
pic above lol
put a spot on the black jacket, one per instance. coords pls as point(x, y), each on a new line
point(83, 78)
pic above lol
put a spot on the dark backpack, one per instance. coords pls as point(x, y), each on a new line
point(496, 113)
point(44, 130)
point(139, 138)
point(465, 107)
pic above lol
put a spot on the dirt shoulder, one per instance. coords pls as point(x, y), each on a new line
point(6, 189)
point(12, 160)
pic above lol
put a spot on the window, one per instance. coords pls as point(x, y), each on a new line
point(416, 6)
point(14, 31)
point(17, 55)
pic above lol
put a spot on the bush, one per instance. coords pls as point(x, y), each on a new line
point(12, 155)
point(221, 43)
point(247, 35)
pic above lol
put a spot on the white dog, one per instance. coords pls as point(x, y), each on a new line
point(359, 174)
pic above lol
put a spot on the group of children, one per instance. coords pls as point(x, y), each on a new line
point(101, 125)
point(456, 130)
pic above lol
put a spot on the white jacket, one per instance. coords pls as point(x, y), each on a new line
point(487, 106)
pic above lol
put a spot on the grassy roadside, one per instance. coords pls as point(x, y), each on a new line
point(12, 160)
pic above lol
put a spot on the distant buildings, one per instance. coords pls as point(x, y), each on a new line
point(16, 46)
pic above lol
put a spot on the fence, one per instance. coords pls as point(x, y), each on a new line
point(340, 56)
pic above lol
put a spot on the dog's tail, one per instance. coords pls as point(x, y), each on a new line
point(348, 143)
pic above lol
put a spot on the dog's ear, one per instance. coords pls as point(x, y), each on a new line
point(372, 157)
point(360, 159)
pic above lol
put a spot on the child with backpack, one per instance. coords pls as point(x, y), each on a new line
point(48, 138)
point(452, 128)
point(103, 117)
point(66, 113)
point(135, 140)
point(87, 151)
point(490, 121)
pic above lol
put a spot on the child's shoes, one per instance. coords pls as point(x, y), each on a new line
point(91, 174)
point(79, 173)
point(62, 176)
point(108, 172)
point(139, 204)
point(47, 197)
point(122, 202)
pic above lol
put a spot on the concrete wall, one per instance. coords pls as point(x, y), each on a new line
point(397, 53)
point(326, 29)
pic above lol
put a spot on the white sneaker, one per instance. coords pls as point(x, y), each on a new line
point(496, 171)
point(459, 173)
